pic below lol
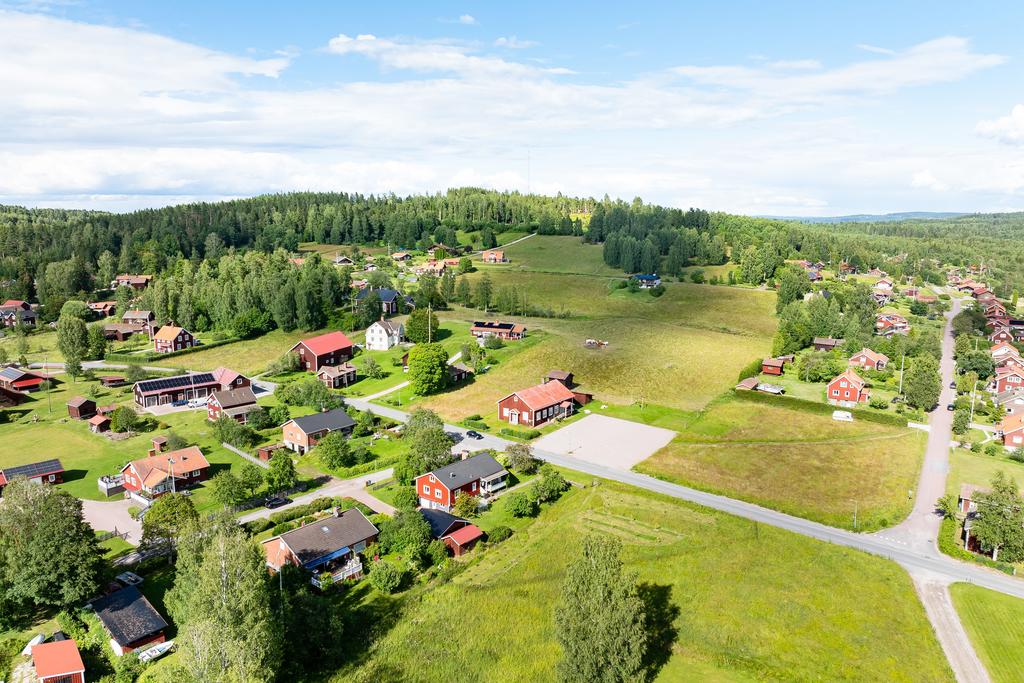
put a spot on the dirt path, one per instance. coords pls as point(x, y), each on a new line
point(938, 604)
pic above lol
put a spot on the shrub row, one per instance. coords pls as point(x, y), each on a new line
point(950, 545)
point(151, 356)
point(525, 434)
point(279, 521)
point(816, 407)
point(475, 424)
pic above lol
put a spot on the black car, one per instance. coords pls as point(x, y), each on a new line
point(952, 385)
point(276, 502)
point(950, 407)
point(474, 434)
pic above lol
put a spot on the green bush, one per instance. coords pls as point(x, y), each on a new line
point(474, 417)
point(10, 650)
point(475, 424)
point(283, 528)
point(519, 504)
point(386, 577)
point(316, 505)
point(258, 526)
point(405, 498)
point(525, 434)
point(751, 369)
point(993, 449)
point(437, 553)
point(949, 544)
point(499, 534)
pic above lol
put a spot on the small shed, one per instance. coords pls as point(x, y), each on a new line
point(159, 443)
point(99, 423)
point(266, 452)
point(112, 380)
point(81, 408)
point(772, 366)
point(462, 540)
point(58, 662)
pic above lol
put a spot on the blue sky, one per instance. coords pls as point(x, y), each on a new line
point(790, 108)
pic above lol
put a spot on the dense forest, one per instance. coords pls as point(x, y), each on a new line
point(51, 256)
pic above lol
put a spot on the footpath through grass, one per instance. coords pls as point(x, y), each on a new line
point(797, 462)
point(729, 600)
point(995, 624)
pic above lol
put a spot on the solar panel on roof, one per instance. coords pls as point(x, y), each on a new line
point(36, 469)
point(165, 383)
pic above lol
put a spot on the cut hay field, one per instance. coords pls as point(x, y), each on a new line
point(250, 356)
point(655, 362)
point(995, 624)
point(555, 254)
point(797, 462)
point(729, 601)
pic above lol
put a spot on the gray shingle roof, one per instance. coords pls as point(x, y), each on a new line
point(235, 397)
point(330, 534)
point(329, 420)
point(461, 472)
point(128, 615)
point(440, 521)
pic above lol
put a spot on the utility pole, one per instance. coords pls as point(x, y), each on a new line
point(903, 361)
point(170, 463)
point(49, 389)
point(430, 330)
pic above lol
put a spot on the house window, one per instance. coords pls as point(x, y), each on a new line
point(835, 392)
point(437, 493)
point(52, 478)
point(195, 473)
point(504, 412)
point(426, 489)
point(473, 487)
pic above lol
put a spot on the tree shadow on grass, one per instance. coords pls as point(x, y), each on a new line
point(74, 475)
point(661, 615)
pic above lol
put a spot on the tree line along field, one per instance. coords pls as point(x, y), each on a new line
point(995, 624)
point(728, 601)
point(797, 462)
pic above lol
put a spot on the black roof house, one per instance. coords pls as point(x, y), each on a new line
point(330, 420)
point(128, 616)
point(461, 472)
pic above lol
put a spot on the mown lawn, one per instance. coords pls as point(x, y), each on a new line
point(42, 346)
point(966, 467)
point(249, 357)
point(557, 254)
point(995, 624)
point(85, 455)
point(732, 601)
point(797, 462)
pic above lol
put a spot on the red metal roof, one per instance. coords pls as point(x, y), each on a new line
point(466, 534)
point(544, 395)
point(326, 343)
point(34, 381)
point(57, 658)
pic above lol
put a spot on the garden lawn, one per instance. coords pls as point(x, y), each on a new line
point(995, 624)
point(249, 356)
point(966, 467)
point(85, 455)
point(42, 346)
point(797, 462)
point(734, 601)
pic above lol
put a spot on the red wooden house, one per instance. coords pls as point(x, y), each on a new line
point(81, 408)
point(17, 379)
point(866, 358)
point(172, 471)
point(1001, 334)
point(46, 471)
point(58, 661)
point(235, 403)
point(848, 389)
point(1012, 430)
point(497, 328)
point(170, 338)
point(333, 348)
point(329, 545)
point(136, 282)
point(163, 390)
point(541, 404)
point(1008, 378)
point(479, 475)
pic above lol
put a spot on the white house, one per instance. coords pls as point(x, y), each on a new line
point(384, 334)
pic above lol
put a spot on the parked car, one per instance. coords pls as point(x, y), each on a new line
point(276, 502)
point(952, 385)
point(129, 578)
point(178, 404)
point(473, 434)
point(950, 407)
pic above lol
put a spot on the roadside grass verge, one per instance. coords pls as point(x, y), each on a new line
point(734, 601)
point(995, 624)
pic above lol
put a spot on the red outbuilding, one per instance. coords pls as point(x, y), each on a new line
point(333, 348)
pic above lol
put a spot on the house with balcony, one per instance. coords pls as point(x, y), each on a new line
point(479, 475)
point(148, 478)
point(330, 545)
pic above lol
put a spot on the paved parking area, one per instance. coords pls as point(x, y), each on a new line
point(606, 441)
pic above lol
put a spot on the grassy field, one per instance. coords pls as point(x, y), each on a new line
point(249, 357)
point(85, 455)
point(966, 467)
point(796, 462)
point(42, 346)
point(995, 624)
point(731, 601)
point(555, 254)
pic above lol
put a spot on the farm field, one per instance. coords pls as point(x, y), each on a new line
point(995, 624)
point(796, 462)
point(650, 362)
point(766, 599)
point(249, 356)
point(558, 254)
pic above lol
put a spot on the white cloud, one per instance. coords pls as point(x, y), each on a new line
point(120, 118)
point(876, 49)
point(467, 19)
point(1009, 129)
point(942, 60)
point(432, 56)
point(796, 64)
point(927, 180)
point(514, 43)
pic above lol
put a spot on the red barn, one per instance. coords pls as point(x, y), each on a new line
point(333, 348)
point(58, 661)
point(170, 338)
point(848, 389)
point(160, 474)
point(478, 475)
point(866, 358)
point(17, 379)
